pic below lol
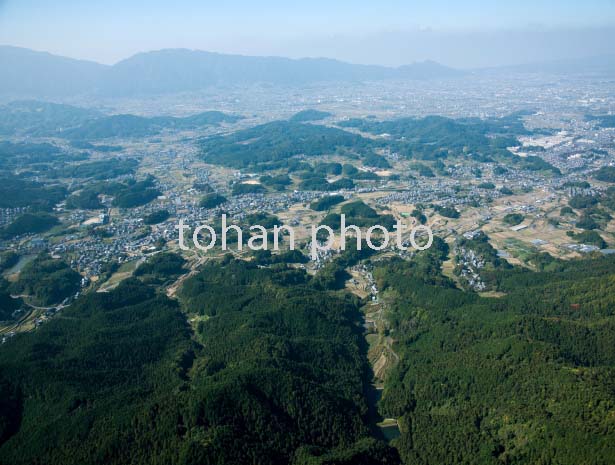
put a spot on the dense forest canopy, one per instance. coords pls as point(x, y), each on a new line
point(433, 138)
point(436, 137)
point(525, 378)
point(128, 126)
point(310, 115)
point(46, 281)
point(28, 223)
point(118, 379)
point(259, 146)
point(19, 193)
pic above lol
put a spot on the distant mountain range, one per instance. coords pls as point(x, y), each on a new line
point(179, 70)
point(28, 74)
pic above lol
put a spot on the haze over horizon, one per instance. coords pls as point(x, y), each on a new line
point(475, 34)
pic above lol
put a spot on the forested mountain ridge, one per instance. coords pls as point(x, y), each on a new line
point(118, 378)
point(525, 378)
point(279, 144)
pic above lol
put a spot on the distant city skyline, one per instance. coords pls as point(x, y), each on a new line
point(467, 34)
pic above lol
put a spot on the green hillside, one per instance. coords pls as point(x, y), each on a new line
point(525, 378)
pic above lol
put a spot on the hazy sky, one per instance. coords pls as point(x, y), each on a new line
point(468, 33)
